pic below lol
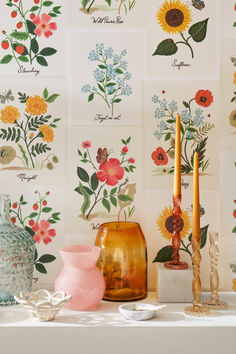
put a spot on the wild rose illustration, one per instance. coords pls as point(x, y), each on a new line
point(194, 132)
point(104, 181)
point(118, 6)
point(32, 24)
point(30, 133)
point(38, 223)
point(175, 18)
point(165, 225)
point(111, 77)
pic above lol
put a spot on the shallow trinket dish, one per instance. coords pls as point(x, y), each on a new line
point(42, 304)
point(139, 311)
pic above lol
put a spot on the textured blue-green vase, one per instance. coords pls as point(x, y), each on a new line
point(17, 249)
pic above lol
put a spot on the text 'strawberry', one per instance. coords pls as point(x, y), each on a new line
point(32, 16)
point(14, 205)
point(13, 220)
point(19, 25)
point(45, 202)
point(35, 206)
point(31, 222)
point(13, 14)
point(5, 44)
point(20, 49)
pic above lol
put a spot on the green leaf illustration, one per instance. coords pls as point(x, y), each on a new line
point(113, 201)
point(168, 136)
point(55, 216)
point(34, 8)
point(32, 215)
point(40, 268)
point(94, 181)
point(34, 46)
point(45, 93)
point(198, 30)
point(234, 230)
point(203, 236)
point(164, 255)
point(90, 97)
point(22, 58)
point(108, 2)
point(46, 210)
point(47, 3)
point(35, 254)
point(82, 174)
point(24, 154)
point(86, 202)
point(52, 98)
point(6, 59)
point(31, 26)
point(106, 204)
point(47, 51)
point(42, 61)
point(124, 198)
point(47, 258)
point(113, 191)
point(166, 47)
point(20, 36)
point(29, 230)
point(88, 190)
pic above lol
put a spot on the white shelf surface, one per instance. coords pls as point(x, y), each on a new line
point(106, 331)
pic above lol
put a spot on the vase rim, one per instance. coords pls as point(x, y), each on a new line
point(81, 249)
point(128, 223)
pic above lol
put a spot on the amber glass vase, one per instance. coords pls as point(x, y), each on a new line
point(123, 260)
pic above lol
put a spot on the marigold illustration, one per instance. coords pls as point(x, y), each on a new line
point(48, 133)
point(235, 78)
point(9, 114)
point(174, 16)
point(165, 223)
point(36, 105)
point(234, 284)
point(43, 25)
point(111, 172)
point(204, 98)
point(159, 157)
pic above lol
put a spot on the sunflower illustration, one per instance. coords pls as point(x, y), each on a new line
point(174, 16)
point(165, 223)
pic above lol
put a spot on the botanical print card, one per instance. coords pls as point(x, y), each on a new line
point(228, 92)
point(109, 91)
point(105, 177)
point(40, 211)
point(106, 13)
point(197, 105)
point(32, 38)
point(228, 18)
point(159, 229)
point(228, 206)
point(181, 38)
point(32, 131)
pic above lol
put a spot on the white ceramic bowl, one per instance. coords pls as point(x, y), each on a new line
point(139, 311)
point(42, 304)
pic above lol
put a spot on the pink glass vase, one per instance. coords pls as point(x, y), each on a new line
point(80, 277)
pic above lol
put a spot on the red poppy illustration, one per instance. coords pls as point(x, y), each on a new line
point(159, 157)
point(204, 98)
point(86, 144)
point(111, 172)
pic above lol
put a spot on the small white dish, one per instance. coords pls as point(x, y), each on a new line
point(139, 311)
point(42, 304)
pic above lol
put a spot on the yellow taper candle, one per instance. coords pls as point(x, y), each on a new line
point(177, 171)
point(196, 205)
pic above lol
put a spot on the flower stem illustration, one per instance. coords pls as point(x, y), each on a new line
point(90, 6)
point(23, 42)
point(175, 17)
point(31, 132)
point(111, 76)
point(38, 224)
point(194, 131)
point(107, 185)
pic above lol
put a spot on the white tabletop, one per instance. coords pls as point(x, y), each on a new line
point(106, 331)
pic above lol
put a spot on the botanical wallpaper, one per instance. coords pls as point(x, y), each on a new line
point(89, 94)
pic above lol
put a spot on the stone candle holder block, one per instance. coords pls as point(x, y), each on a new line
point(173, 285)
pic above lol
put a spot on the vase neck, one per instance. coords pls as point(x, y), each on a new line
point(5, 209)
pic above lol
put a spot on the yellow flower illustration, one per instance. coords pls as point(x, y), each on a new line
point(48, 133)
point(9, 114)
point(36, 105)
point(234, 285)
point(165, 223)
point(174, 16)
point(235, 78)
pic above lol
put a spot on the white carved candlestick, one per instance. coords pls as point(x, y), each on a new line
point(214, 301)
